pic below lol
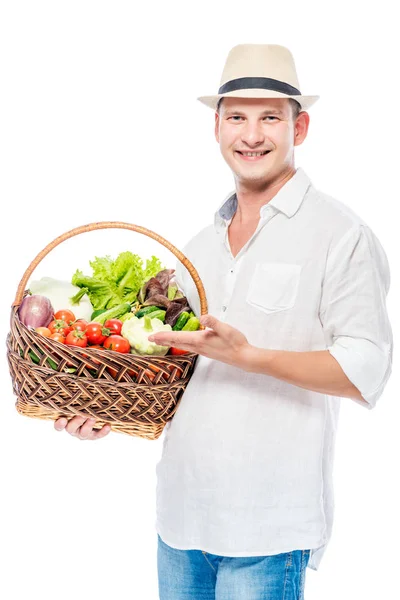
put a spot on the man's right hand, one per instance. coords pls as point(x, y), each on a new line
point(82, 428)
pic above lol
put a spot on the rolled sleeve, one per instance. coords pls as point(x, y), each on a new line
point(353, 312)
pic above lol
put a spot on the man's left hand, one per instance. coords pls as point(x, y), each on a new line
point(220, 342)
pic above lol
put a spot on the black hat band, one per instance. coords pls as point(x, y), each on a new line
point(265, 83)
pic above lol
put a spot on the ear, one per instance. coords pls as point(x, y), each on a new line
point(217, 126)
point(301, 128)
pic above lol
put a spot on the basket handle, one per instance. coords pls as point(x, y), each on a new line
point(113, 225)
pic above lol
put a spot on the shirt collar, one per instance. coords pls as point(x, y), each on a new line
point(287, 200)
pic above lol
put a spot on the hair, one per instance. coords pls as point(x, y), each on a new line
point(296, 107)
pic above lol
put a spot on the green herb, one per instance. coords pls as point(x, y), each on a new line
point(116, 281)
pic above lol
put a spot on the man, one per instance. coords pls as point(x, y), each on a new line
point(296, 285)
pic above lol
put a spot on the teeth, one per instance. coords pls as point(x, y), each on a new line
point(253, 153)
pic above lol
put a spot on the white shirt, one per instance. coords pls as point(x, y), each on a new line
point(247, 460)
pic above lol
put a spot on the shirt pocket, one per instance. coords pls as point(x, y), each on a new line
point(274, 286)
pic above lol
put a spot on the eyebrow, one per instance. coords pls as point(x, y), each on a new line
point(268, 111)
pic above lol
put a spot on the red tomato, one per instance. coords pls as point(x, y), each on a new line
point(43, 331)
point(93, 358)
point(58, 337)
point(96, 333)
point(65, 315)
point(117, 343)
point(152, 371)
point(178, 373)
point(76, 338)
point(150, 374)
point(80, 325)
point(177, 351)
point(115, 326)
point(59, 326)
point(113, 372)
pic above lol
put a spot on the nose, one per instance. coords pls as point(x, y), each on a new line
point(252, 134)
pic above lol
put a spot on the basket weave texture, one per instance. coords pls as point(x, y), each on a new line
point(135, 395)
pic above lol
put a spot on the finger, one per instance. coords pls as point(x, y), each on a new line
point(60, 423)
point(212, 323)
point(74, 425)
point(102, 432)
point(86, 429)
point(179, 339)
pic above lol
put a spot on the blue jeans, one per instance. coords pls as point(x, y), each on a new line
point(199, 575)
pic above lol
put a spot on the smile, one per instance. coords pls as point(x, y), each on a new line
point(252, 156)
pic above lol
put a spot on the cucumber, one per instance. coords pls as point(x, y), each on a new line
point(113, 313)
point(52, 364)
point(158, 314)
point(192, 324)
point(181, 321)
point(145, 311)
point(36, 359)
point(126, 316)
point(96, 313)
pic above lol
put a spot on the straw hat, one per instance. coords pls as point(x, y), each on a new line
point(259, 71)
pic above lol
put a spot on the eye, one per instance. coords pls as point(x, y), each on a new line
point(239, 117)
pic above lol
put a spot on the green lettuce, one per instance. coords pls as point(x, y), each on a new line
point(116, 281)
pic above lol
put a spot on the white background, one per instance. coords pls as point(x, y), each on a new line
point(99, 121)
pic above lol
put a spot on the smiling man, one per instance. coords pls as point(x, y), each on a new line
point(257, 139)
point(296, 285)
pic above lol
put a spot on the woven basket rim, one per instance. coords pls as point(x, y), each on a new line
point(147, 359)
point(87, 381)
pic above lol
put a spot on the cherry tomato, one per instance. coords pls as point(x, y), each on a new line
point(177, 351)
point(178, 373)
point(93, 358)
point(43, 331)
point(113, 372)
point(59, 326)
point(117, 343)
point(58, 337)
point(150, 374)
point(115, 326)
point(96, 333)
point(152, 371)
point(65, 315)
point(80, 325)
point(76, 338)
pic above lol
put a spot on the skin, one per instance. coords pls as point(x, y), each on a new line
point(257, 183)
point(81, 428)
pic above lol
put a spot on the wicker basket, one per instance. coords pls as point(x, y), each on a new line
point(135, 395)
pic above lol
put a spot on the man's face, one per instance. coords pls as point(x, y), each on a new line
point(255, 125)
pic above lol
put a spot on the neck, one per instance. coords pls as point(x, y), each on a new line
point(250, 200)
